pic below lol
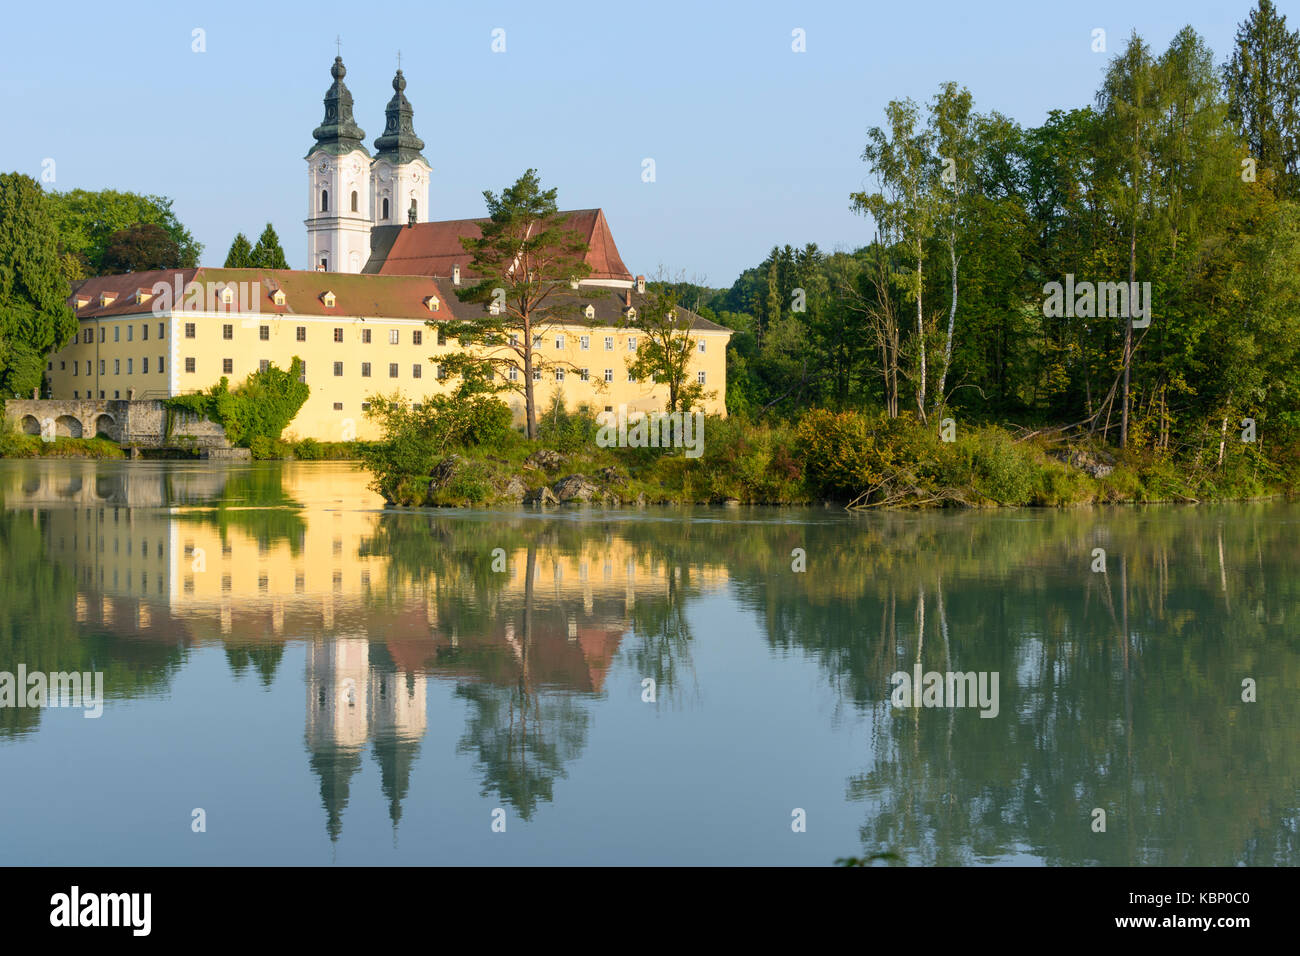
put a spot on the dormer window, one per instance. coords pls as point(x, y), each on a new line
point(278, 297)
point(589, 311)
point(328, 299)
point(227, 296)
point(107, 298)
point(630, 312)
point(431, 303)
point(494, 308)
point(455, 275)
point(143, 295)
point(573, 282)
point(82, 301)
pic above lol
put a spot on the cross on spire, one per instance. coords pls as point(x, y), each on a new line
point(338, 44)
point(399, 59)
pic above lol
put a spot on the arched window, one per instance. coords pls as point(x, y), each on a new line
point(354, 200)
point(324, 200)
point(385, 216)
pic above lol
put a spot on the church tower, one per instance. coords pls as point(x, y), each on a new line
point(399, 176)
point(339, 216)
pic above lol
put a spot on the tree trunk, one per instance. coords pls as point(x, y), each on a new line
point(920, 333)
point(952, 319)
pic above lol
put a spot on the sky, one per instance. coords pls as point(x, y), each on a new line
point(753, 144)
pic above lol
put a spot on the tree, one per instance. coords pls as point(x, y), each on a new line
point(34, 315)
point(527, 261)
point(1262, 82)
point(901, 159)
point(240, 255)
point(140, 248)
point(86, 222)
point(666, 352)
point(268, 254)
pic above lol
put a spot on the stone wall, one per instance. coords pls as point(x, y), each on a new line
point(128, 422)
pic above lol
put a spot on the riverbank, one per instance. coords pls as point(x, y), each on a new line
point(848, 459)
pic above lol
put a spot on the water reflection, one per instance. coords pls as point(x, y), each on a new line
point(1120, 688)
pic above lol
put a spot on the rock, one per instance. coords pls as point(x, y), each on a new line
point(515, 489)
point(1099, 466)
point(575, 488)
point(542, 496)
point(611, 476)
point(443, 472)
point(545, 459)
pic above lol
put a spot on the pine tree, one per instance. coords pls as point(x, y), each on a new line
point(1262, 80)
point(268, 254)
point(240, 255)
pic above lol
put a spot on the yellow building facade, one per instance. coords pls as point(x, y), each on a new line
point(159, 334)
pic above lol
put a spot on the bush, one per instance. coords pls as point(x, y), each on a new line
point(309, 449)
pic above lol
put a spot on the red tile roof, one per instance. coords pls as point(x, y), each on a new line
point(432, 248)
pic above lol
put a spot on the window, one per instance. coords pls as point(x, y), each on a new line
point(440, 373)
point(365, 336)
point(699, 377)
point(394, 337)
point(101, 366)
point(513, 374)
point(338, 335)
point(101, 393)
point(630, 376)
point(301, 333)
point(559, 375)
point(162, 332)
point(631, 343)
point(584, 342)
point(354, 200)
point(417, 337)
point(144, 331)
point(189, 331)
point(417, 371)
point(385, 215)
point(144, 365)
point(609, 343)
point(537, 341)
point(227, 366)
point(701, 345)
point(117, 333)
point(117, 366)
point(559, 341)
point(189, 364)
point(338, 368)
point(75, 366)
point(227, 332)
point(85, 337)
point(589, 311)
point(277, 297)
point(130, 332)
point(537, 375)
point(584, 374)
point(514, 339)
point(117, 394)
point(338, 406)
point(392, 370)
point(264, 333)
point(263, 365)
point(102, 330)
point(609, 375)
point(130, 366)
point(161, 369)
point(324, 200)
point(75, 393)
point(62, 366)
point(365, 369)
point(365, 406)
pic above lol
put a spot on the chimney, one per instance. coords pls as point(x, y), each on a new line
point(455, 275)
point(627, 298)
point(640, 285)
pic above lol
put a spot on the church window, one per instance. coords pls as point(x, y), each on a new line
point(354, 200)
point(385, 216)
point(324, 200)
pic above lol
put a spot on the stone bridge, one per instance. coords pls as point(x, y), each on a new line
point(142, 423)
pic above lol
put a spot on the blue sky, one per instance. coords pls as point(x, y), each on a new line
point(754, 145)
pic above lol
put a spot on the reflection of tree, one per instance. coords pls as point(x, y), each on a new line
point(1118, 690)
point(251, 500)
point(263, 657)
point(38, 625)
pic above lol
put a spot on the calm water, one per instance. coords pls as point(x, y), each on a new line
point(335, 683)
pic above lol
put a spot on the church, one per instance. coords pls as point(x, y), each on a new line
point(363, 315)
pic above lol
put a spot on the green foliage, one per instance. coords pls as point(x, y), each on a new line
point(34, 317)
point(567, 431)
point(261, 407)
point(86, 221)
point(139, 248)
point(268, 254)
point(240, 255)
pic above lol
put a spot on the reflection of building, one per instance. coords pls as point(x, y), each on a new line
point(291, 554)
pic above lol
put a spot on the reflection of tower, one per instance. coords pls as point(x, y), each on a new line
point(337, 691)
point(398, 718)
